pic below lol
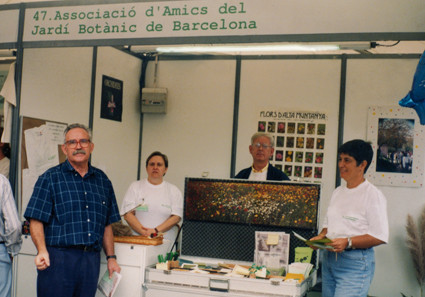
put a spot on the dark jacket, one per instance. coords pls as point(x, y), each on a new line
point(272, 173)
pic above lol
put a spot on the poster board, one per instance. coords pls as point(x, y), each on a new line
point(40, 150)
point(299, 142)
point(398, 142)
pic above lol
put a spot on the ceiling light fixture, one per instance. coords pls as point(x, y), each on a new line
point(246, 49)
point(262, 48)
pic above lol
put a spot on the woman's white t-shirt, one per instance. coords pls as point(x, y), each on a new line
point(155, 204)
point(358, 211)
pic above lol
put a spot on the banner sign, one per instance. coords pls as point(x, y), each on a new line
point(162, 19)
point(9, 20)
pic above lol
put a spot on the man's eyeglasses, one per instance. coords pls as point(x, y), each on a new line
point(263, 145)
point(73, 143)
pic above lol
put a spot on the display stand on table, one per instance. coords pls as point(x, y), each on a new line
point(221, 218)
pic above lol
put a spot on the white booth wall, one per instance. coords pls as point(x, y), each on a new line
point(117, 143)
point(56, 86)
point(291, 85)
point(382, 82)
point(196, 131)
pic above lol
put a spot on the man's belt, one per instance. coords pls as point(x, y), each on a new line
point(85, 248)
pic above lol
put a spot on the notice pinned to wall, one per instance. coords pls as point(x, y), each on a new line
point(299, 142)
point(40, 150)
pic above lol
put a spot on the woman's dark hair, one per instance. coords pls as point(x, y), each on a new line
point(359, 149)
point(156, 153)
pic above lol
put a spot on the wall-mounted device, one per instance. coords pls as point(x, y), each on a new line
point(154, 100)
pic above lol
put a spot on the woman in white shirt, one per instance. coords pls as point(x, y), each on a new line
point(153, 205)
point(356, 221)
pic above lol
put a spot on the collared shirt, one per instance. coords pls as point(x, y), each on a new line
point(260, 171)
point(75, 210)
point(260, 175)
point(10, 224)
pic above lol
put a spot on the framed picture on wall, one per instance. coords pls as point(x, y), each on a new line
point(397, 139)
point(111, 103)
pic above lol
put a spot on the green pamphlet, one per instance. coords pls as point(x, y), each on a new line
point(319, 243)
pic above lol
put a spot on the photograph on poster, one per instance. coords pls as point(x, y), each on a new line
point(398, 140)
point(395, 145)
point(249, 202)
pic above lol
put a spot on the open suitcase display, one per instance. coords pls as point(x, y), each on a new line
point(220, 221)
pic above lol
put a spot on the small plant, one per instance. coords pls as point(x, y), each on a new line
point(416, 245)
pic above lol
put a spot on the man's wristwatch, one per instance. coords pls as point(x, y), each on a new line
point(350, 244)
point(111, 257)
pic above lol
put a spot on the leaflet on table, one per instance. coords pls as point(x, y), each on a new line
point(300, 268)
point(319, 243)
point(271, 250)
point(106, 285)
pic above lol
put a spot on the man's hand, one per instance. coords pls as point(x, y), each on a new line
point(42, 260)
point(113, 266)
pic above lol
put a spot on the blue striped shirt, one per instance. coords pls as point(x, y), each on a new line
point(74, 209)
point(10, 224)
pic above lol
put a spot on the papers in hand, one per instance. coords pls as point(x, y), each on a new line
point(106, 285)
point(318, 243)
point(130, 208)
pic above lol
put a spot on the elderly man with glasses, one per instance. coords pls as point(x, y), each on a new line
point(70, 212)
point(261, 149)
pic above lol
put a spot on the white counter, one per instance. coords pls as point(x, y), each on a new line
point(133, 259)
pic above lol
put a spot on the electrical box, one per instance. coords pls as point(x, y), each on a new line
point(154, 100)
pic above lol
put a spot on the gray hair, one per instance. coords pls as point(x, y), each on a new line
point(76, 125)
point(262, 134)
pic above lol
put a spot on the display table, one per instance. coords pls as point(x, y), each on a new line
point(160, 283)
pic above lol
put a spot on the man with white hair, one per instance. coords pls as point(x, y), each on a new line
point(261, 149)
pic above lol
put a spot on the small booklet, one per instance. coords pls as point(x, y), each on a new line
point(106, 285)
point(319, 243)
point(300, 268)
point(137, 207)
